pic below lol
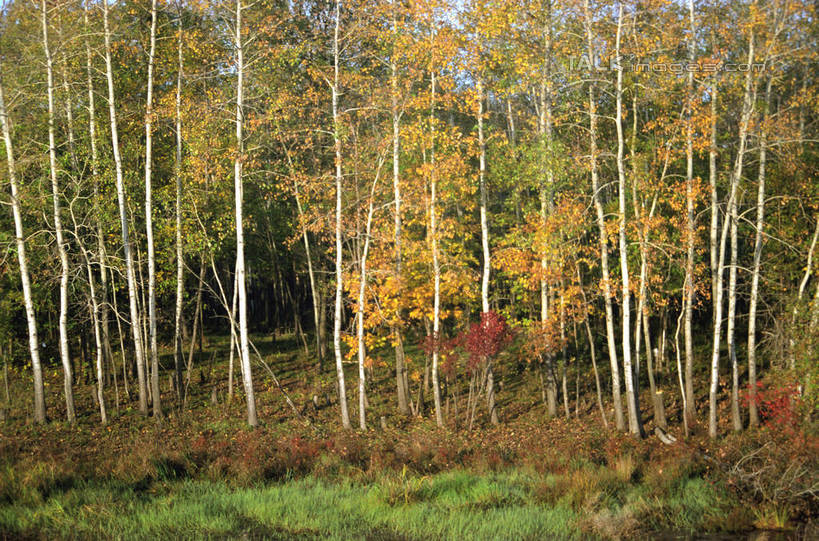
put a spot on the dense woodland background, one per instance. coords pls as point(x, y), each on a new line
point(414, 188)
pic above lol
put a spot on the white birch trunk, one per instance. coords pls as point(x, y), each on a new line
point(736, 174)
point(801, 292)
point(712, 181)
point(19, 239)
point(362, 291)
point(342, 391)
point(689, 221)
point(754, 298)
point(436, 268)
point(123, 216)
point(180, 263)
point(244, 347)
point(487, 264)
point(546, 197)
point(632, 401)
point(400, 363)
point(601, 226)
point(149, 227)
point(92, 136)
point(58, 227)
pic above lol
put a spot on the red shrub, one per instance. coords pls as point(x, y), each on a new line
point(778, 405)
point(486, 338)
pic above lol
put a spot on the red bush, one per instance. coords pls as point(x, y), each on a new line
point(777, 405)
point(487, 338)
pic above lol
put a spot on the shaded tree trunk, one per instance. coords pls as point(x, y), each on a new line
point(342, 391)
point(22, 260)
point(123, 216)
point(601, 226)
point(58, 228)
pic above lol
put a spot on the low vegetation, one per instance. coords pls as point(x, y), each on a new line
point(199, 475)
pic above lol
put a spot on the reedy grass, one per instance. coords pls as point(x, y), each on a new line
point(454, 505)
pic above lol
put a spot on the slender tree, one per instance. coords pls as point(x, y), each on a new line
point(56, 196)
point(22, 260)
point(149, 220)
point(241, 278)
point(334, 87)
point(130, 274)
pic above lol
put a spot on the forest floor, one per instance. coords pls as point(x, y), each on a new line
point(202, 473)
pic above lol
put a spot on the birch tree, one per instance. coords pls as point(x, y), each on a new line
point(130, 275)
point(601, 226)
point(334, 87)
point(149, 227)
point(688, 293)
point(22, 260)
point(749, 96)
point(58, 225)
point(634, 420)
point(180, 263)
point(244, 344)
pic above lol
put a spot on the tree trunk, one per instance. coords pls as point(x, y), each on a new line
point(758, 240)
point(342, 391)
point(712, 178)
point(546, 199)
point(58, 228)
point(436, 268)
point(149, 228)
point(565, 358)
point(747, 109)
point(801, 292)
point(490, 390)
point(123, 216)
point(601, 226)
point(592, 349)
point(234, 340)
point(632, 398)
point(400, 361)
point(19, 238)
point(180, 263)
point(244, 349)
point(689, 220)
point(362, 290)
point(656, 395)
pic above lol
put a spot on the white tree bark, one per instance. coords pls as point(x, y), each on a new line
point(99, 301)
point(58, 226)
point(487, 264)
point(545, 122)
point(601, 226)
point(712, 180)
point(436, 267)
point(754, 297)
point(244, 348)
point(362, 291)
point(19, 238)
point(689, 219)
point(736, 174)
point(400, 363)
point(123, 217)
point(801, 292)
point(149, 227)
point(632, 401)
point(180, 263)
point(342, 391)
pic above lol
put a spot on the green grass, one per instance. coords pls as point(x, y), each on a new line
point(454, 505)
point(451, 506)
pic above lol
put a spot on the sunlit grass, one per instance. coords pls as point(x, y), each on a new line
point(453, 505)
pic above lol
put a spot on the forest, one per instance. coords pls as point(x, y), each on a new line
point(461, 269)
